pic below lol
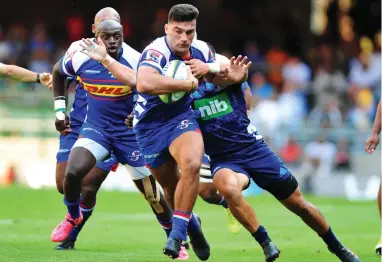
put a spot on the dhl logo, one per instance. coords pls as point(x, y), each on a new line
point(107, 90)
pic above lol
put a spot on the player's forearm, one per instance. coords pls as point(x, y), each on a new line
point(377, 121)
point(58, 81)
point(17, 73)
point(123, 73)
point(155, 84)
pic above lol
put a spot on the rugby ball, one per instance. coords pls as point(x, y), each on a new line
point(175, 69)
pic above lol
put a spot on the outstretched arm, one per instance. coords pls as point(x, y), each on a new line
point(25, 75)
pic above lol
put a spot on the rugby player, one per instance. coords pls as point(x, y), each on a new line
point(103, 131)
point(238, 153)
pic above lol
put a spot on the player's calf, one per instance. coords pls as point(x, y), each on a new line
point(315, 220)
point(150, 190)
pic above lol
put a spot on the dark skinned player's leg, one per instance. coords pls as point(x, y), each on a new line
point(167, 175)
point(162, 210)
point(209, 193)
point(81, 161)
point(90, 186)
point(60, 175)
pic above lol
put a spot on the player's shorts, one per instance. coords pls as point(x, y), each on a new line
point(263, 166)
point(66, 144)
point(155, 143)
point(101, 144)
point(205, 171)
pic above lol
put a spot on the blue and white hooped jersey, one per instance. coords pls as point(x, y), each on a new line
point(224, 123)
point(109, 100)
point(149, 110)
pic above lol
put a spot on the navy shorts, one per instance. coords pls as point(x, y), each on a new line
point(102, 144)
point(261, 164)
point(66, 145)
point(155, 143)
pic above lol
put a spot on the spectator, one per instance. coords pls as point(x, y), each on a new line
point(325, 115)
point(342, 158)
point(318, 161)
point(260, 88)
point(291, 153)
point(40, 48)
point(275, 58)
point(296, 71)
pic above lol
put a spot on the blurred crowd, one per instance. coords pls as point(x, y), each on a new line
point(335, 83)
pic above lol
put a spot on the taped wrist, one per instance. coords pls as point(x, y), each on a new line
point(60, 107)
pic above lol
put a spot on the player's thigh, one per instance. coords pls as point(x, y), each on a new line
point(187, 149)
point(229, 182)
point(275, 178)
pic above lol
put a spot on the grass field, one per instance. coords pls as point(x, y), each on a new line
point(122, 228)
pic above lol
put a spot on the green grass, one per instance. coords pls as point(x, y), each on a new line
point(122, 228)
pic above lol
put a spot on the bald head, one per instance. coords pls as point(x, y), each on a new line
point(107, 13)
point(108, 26)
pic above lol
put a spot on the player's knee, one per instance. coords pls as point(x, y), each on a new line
point(74, 172)
point(190, 167)
point(230, 191)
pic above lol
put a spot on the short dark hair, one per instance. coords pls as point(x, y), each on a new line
point(183, 13)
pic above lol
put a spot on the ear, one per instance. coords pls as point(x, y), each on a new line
point(93, 28)
point(166, 28)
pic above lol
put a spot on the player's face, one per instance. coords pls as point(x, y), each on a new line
point(180, 35)
point(113, 40)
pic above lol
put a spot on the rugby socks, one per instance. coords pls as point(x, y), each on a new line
point(167, 226)
point(193, 224)
point(331, 241)
point(73, 208)
point(223, 203)
point(261, 236)
point(86, 213)
point(179, 225)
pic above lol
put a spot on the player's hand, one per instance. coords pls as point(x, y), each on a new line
point(191, 77)
point(237, 71)
point(372, 143)
point(129, 120)
point(46, 80)
point(198, 67)
point(63, 126)
point(96, 51)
